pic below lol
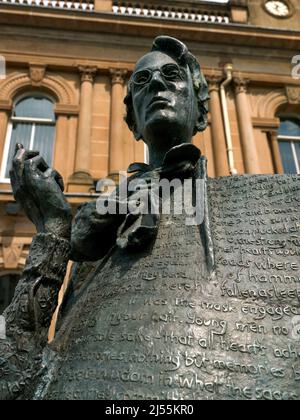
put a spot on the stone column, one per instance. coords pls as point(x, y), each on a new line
point(217, 128)
point(72, 136)
point(275, 151)
point(83, 148)
point(251, 161)
point(61, 145)
point(116, 152)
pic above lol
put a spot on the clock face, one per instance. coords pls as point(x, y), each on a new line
point(277, 8)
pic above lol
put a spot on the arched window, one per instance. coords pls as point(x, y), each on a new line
point(8, 284)
point(32, 124)
point(289, 143)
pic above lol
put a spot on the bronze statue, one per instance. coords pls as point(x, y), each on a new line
point(157, 308)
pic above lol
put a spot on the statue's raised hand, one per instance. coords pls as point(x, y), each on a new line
point(39, 190)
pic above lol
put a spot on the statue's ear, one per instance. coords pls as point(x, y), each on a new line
point(129, 118)
point(202, 120)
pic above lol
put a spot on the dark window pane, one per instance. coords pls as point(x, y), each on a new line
point(44, 141)
point(35, 107)
point(8, 284)
point(21, 133)
point(287, 157)
point(289, 128)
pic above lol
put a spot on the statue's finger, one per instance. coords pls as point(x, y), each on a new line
point(30, 154)
point(37, 164)
point(21, 155)
point(18, 161)
point(34, 168)
point(18, 147)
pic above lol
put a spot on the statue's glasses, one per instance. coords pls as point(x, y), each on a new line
point(170, 72)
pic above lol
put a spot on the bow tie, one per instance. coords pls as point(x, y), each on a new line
point(139, 230)
point(180, 161)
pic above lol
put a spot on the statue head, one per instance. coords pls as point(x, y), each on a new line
point(167, 96)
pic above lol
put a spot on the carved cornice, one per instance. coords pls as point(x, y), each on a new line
point(118, 76)
point(66, 109)
point(87, 73)
point(266, 124)
point(99, 23)
point(240, 84)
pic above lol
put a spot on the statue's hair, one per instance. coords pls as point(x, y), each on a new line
point(180, 53)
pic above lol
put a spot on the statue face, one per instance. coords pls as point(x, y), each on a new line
point(164, 101)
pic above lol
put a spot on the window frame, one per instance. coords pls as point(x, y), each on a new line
point(29, 120)
point(146, 154)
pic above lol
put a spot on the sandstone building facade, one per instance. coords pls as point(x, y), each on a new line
point(64, 66)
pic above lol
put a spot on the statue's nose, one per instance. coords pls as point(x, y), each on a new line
point(157, 81)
